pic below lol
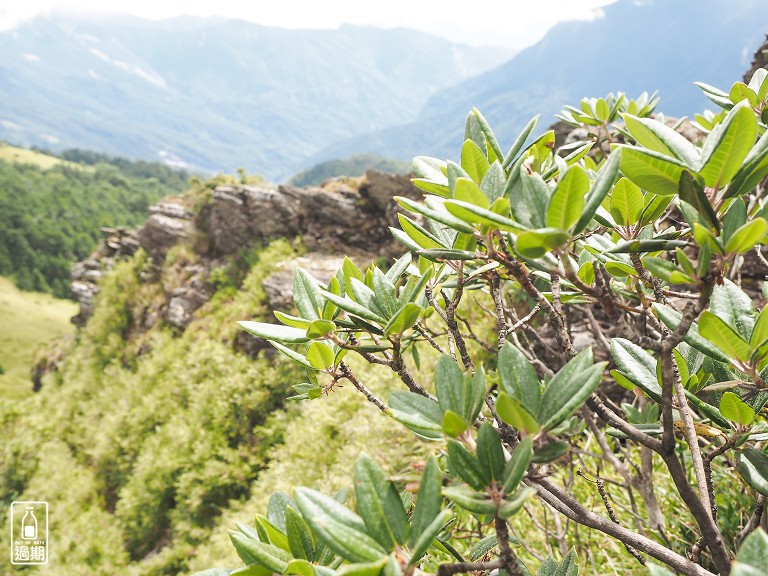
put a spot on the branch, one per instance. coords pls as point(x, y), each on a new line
point(462, 567)
point(349, 375)
point(499, 302)
point(568, 506)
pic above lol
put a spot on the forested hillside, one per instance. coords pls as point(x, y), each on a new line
point(146, 433)
point(50, 216)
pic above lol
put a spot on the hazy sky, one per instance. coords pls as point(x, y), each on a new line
point(510, 23)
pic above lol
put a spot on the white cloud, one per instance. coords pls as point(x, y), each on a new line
point(512, 23)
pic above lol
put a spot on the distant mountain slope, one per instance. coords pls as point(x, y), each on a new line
point(637, 45)
point(51, 209)
point(217, 94)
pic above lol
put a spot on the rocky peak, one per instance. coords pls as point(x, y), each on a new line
point(332, 220)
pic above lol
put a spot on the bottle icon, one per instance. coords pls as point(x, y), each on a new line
point(29, 524)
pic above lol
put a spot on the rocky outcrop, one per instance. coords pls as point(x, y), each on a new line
point(760, 60)
point(168, 224)
point(117, 243)
point(331, 221)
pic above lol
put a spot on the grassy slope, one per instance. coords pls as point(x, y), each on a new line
point(16, 155)
point(27, 320)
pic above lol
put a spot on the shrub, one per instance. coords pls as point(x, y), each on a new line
point(613, 277)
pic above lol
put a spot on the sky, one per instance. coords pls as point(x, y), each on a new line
point(513, 24)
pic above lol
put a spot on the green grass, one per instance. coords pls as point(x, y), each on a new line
point(15, 155)
point(27, 321)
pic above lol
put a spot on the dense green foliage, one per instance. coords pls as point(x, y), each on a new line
point(49, 219)
point(353, 166)
point(629, 247)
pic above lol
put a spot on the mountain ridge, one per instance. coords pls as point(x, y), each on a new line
point(216, 94)
point(560, 70)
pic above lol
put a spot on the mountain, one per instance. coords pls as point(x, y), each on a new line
point(216, 94)
point(635, 46)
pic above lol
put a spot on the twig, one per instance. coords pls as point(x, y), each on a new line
point(349, 375)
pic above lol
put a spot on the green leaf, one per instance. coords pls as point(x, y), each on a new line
point(734, 219)
point(300, 539)
point(569, 389)
point(530, 207)
point(723, 336)
point(515, 468)
point(483, 547)
point(439, 254)
point(637, 365)
point(384, 292)
point(667, 271)
point(429, 501)
point(650, 245)
point(269, 533)
point(519, 142)
point(254, 552)
point(352, 307)
point(567, 201)
point(418, 234)
point(747, 236)
point(671, 318)
point(490, 138)
point(493, 182)
point(536, 243)
point(443, 217)
point(760, 331)
point(728, 145)
point(753, 169)
point(514, 502)
point(429, 168)
point(320, 328)
point(740, 91)
point(320, 356)
point(654, 135)
point(274, 332)
point(489, 452)
point(426, 537)
point(417, 413)
point(734, 408)
point(470, 500)
point(468, 191)
point(292, 321)
point(293, 355)
point(753, 467)
point(453, 424)
point(449, 384)
point(364, 568)
point(550, 451)
point(519, 378)
point(511, 411)
point(339, 528)
point(474, 161)
point(752, 555)
point(626, 202)
point(404, 319)
point(734, 307)
point(605, 178)
point(468, 212)
point(467, 466)
point(692, 191)
point(306, 295)
point(379, 504)
point(652, 171)
point(278, 502)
